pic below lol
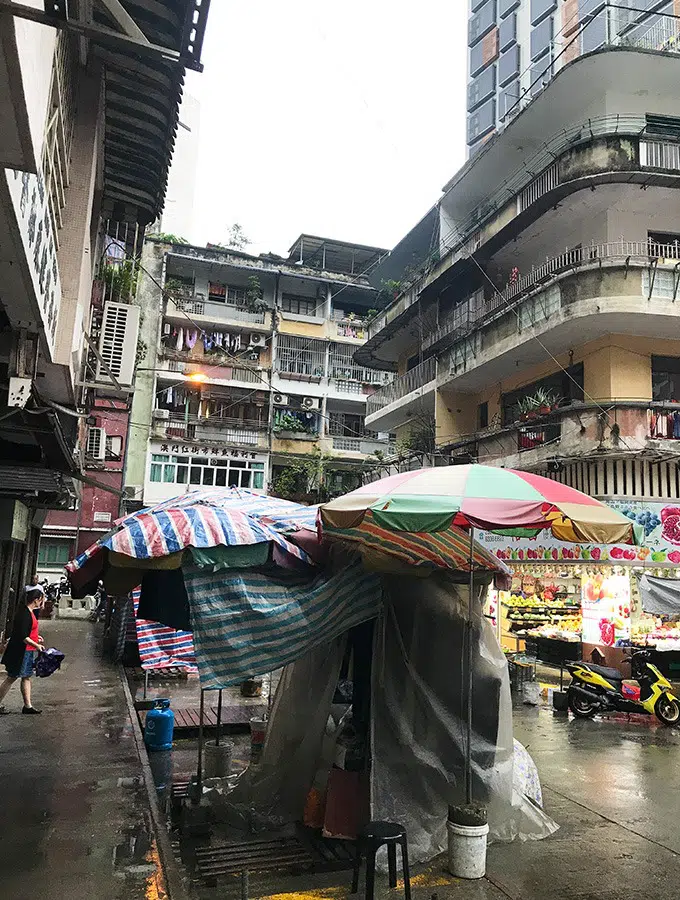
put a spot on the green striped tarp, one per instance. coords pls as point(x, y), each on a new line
point(247, 623)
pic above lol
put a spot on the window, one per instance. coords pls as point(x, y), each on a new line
point(483, 415)
point(54, 552)
point(58, 136)
point(666, 378)
point(231, 294)
point(298, 306)
point(566, 386)
point(114, 446)
point(203, 471)
point(539, 308)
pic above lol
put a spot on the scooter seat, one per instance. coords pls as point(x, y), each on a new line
point(606, 672)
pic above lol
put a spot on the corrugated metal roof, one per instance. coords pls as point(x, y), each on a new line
point(20, 481)
point(142, 98)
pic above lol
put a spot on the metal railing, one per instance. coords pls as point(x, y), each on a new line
point(625, 252)
point(228, 372)
point(418, 377)
point(218, 312)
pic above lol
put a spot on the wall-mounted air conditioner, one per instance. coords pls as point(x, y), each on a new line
point(310, 403)
point(257, 340)
point(96, 443)
point(280, 399)
point(118, 342)
point(161, 413)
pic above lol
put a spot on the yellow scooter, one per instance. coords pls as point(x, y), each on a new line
point(601, 689)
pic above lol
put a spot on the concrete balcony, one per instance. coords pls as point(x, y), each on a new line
point(214, 429)
point(612, 430)
point(622, 287)
point(185, 310)
point(409, 395)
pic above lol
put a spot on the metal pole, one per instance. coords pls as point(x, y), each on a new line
point(146, 682)
point(468, 651)
point(219, 717)
point(199, 771)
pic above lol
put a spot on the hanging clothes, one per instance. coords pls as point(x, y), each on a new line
point(191, 338)
point(676, 425)
point(169, 395)
point(219, 338)
point(208, 342)
point(180, 339)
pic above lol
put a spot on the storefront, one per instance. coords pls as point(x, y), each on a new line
point(567, 599)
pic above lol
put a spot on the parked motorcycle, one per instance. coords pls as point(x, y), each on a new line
point(601, 689)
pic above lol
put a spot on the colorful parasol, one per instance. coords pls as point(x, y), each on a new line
point(426, 505)
point(505, 501)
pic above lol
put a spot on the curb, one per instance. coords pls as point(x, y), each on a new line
point(174, 882)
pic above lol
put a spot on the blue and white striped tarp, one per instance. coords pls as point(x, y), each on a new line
point(161, 647)
point(250, 625)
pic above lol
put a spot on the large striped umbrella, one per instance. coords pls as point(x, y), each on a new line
point(422, 506)
point(505, 501)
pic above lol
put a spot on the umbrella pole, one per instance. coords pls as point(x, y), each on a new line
point(219, 717)
point(199, 771)
point(468, 652)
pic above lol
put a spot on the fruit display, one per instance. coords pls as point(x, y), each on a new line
point(542, 598)
point(656, 632)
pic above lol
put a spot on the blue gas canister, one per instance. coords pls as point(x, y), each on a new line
point(159, 726)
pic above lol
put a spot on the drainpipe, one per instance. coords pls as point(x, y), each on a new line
point(272, 355)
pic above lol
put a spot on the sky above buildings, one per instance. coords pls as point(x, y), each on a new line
point(342, 119)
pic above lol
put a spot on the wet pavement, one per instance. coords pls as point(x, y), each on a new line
point(74, 817)
point(75, 823)
point(612, 784)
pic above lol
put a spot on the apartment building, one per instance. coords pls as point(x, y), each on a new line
point(88, 106)
point(250, 372)
point(515, 47)
point(542, 333)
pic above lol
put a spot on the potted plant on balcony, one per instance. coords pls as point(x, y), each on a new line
point(544, 401)
point(288, 426)
point(525, 408)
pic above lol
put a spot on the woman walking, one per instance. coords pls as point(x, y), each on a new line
point(23, 645)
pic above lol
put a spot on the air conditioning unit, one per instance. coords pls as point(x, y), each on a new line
point(96, 443)
point(280, 399)
point(310, 403)
point(257, 340)
point(118, 343)
point(161, 413)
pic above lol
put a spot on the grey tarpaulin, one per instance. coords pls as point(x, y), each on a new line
point(419, 719)
point(417, 730)
point(660, 596)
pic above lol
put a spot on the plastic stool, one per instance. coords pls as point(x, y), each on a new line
point(374, 835)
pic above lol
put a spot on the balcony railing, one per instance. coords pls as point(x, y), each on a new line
point(209, 428)
point(218, 312)
point(418, 377)
point(623, 252)
point(227, 372)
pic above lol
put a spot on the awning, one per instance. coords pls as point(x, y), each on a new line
point(660, 596)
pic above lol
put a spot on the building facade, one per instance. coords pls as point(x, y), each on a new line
point(249, 379)
point(515, 47)
point(89, 110)
point(542, 333)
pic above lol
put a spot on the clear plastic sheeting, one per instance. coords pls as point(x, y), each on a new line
point(419, 719)
point(274, 792)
